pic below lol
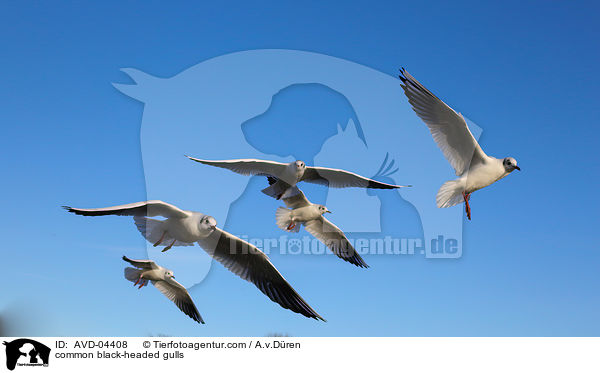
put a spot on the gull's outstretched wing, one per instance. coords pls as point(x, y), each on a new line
point(145, 208)
point(142, 264)
point(342, 179)
point(448, 128)
point(251, 264)
point(247, 166)
point(333, 237)
point(294, 198)
point(180, 296)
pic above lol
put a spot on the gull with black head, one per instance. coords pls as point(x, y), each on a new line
point(283, 176)
point(164, 280)
point(474, 168)
point(183, 228)
point(301, 211)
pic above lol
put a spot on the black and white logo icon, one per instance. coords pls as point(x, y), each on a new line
point(26, 352)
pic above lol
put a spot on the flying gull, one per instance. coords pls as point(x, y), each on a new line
point(183, 228)
point(164, 280)
point(302, 212)
point(286, 175)
point(475, 169)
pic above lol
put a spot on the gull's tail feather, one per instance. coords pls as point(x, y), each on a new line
point(283, 218)
point(276, 188)
point(450, 194)
point(132, 274)
point(149, 228)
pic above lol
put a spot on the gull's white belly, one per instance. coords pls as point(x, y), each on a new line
point(291, 175)
point(184, 230)
point(154, 274)
point(482, 176)
point(304, 214)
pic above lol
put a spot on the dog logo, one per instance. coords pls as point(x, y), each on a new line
point(26, 352)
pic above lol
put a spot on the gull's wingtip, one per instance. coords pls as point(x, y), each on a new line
point(69, 209)
point(194, 159)
point(402, 75)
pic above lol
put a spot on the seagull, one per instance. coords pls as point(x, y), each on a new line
point(311, 215)
point(164, 280)
point(286, 175)
point(183, 228)
point(474, 168)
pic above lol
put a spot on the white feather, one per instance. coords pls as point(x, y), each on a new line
point(132, 274)
point(450, 194)
point(283, 217)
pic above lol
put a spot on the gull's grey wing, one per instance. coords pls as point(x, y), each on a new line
point(333, 237)
point(180, 296)
point(247, 166)
point(251, 264)
point(448, 128)
point(142, 264)
point(145, 208)
point(342, 179)
point(294, 198)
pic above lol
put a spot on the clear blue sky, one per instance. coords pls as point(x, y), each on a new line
point(524, 71)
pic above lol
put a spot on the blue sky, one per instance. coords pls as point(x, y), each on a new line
point(523, 71)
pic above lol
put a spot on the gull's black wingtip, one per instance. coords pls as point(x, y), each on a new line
point(359, 262)
point(401, 76)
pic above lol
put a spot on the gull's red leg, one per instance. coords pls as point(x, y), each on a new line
point(466, 197)
point(160, 240)
point(168, 247)
point(142, 284)
point(291, 226)
point(138, 280)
